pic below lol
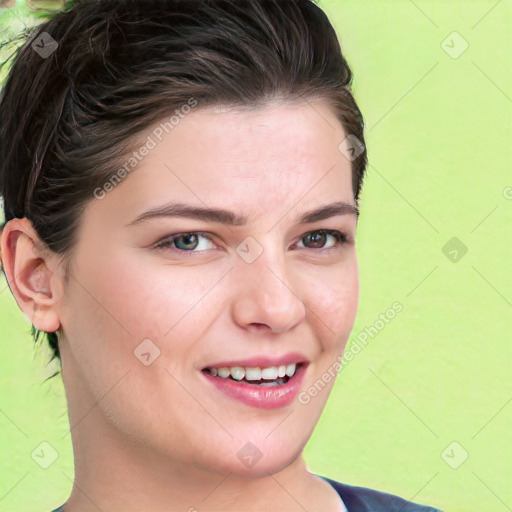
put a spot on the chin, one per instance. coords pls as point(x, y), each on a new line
point(267, 465)
point(249, 461)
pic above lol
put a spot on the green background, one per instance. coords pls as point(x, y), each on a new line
point(439, 138)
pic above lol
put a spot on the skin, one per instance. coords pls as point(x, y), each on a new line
point(160, 437)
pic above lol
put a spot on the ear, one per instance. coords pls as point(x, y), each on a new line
point(33, 274)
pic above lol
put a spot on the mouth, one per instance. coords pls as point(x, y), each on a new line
point(267, 387)
point(255, 375)
point(264, 381)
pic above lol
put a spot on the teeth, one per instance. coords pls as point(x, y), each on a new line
point(290, 369)
point(237, 373)
point(255, 373)
point(223, 372)
point(269, 373)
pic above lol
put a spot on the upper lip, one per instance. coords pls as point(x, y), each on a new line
point(262, 361)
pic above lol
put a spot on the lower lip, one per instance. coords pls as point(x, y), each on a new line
point(265, 397)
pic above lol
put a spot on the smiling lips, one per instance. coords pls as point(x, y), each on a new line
point(264, 393)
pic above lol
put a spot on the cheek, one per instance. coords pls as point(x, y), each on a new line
point(150, 298)
point(332, 297)
point(105, 322)
point(176, 303)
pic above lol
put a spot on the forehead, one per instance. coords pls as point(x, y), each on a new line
point(254, 161)
point(292, 133)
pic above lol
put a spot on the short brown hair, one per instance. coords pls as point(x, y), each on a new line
point(67, 118)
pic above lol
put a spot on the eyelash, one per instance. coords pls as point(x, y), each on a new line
point(167, 242)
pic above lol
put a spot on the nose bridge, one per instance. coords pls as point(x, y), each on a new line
point(266, 268)
point(267, 294)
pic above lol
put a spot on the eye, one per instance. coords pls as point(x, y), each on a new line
point(185, 242)
point(194, 241)
point(318, 239)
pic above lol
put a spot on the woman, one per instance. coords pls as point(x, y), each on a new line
point(181, 184)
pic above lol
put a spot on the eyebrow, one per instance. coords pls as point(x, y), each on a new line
point(232, 219)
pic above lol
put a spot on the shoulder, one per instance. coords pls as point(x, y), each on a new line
point(361, 499)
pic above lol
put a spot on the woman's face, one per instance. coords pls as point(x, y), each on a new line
point(142, 319)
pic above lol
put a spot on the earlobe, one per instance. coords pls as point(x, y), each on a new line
point(31, 274)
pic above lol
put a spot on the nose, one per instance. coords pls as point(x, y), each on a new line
point(265, 296)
